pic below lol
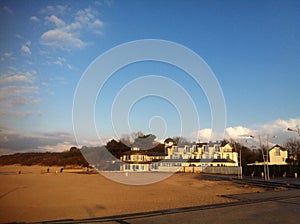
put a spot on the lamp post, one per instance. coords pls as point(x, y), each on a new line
point(240, 167)
point(297, 130)
point(265, 156)
point(268, 173)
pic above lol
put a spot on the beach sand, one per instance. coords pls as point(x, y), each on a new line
point(38, 196)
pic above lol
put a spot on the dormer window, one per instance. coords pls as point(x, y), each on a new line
point(206, 148)
point(277, 152)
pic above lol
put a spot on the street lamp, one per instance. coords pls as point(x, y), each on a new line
point(297, 130)
point(268, 173)
point(240, 167)
point(265, 156)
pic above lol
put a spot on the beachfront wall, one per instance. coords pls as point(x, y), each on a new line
point(229, 170)
point(135, 167)
point(156, 167)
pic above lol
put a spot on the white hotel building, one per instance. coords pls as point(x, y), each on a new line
point(174, 157)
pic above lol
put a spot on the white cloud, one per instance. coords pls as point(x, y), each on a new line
point(264, 132)
point(58, 22)
point(60, 38)
point(6, 55)
point(204, 135)
point(7, 9)
point(16, 78)
point(15, 96)
point(85, 16)
point(96, 27)
point(68, 36)
point(235, 132)
point(73, 27)
point(59, 9)
point(70, 67)
point(18, 89)
point(34, 18)
point(26, 48)
point(12, 141)
point(19, 36)
point(17, 114)
point(96, 24)
point(280, 125)
point(59, 61)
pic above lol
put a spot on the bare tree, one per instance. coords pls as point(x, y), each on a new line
point(126, 139)
point(181, 140)
point(135, 135)
point(293, 147)
point(248, 155)
point(145, 142)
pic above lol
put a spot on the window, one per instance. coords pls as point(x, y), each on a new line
point(227, 156)
point(187, 148)
point(194, 148)
point(135, 167)
point(127, 166)
point(154, 166)
point(218, 156)
point(277, 152)
point(206, 148)
point(217, 148)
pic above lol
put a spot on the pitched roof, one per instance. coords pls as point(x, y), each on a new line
point(145, 152)
point(169, 140)
point(223, 143)
point(278, 146)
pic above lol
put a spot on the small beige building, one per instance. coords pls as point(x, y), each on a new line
point(277, 155)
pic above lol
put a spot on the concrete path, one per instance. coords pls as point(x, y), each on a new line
point(268, 207)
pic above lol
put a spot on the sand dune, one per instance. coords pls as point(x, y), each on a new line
point(35, 196)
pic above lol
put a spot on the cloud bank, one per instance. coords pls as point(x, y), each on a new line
point(67, 35)
point(277, 128)
point(12, 141)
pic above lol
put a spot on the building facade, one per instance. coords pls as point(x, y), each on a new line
point(278, 155)
point(174, 157)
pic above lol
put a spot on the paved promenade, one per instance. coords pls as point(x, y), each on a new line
point(268, 207)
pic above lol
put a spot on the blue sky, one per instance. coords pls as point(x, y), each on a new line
point(253, 48)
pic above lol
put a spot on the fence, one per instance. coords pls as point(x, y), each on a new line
point(274, 170)
point(229, 170)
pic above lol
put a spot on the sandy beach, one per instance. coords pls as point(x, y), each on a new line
point(35, 195)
